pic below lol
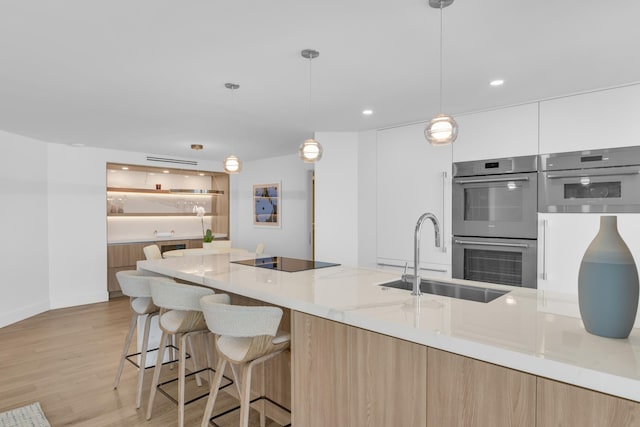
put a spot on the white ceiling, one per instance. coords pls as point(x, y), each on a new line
point(148, 75)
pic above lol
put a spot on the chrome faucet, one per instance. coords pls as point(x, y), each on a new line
point(416, 248)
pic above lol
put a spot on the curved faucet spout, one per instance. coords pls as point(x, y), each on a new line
point(416, 247)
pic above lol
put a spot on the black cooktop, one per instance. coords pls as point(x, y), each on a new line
point(281, 263)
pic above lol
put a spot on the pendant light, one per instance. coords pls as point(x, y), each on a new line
point(442, 128)
point(310, 151)
point(232, 164)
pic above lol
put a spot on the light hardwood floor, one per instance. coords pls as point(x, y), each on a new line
point(67, 359)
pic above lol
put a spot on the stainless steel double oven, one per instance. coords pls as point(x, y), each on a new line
point(495, 221)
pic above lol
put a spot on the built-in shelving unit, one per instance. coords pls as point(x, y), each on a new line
point(140, 191)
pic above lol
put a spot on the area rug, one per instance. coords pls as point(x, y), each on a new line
point(26, 416)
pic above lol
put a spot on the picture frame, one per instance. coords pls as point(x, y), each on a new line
point(267, 206)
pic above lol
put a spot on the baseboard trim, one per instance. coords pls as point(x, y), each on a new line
point(74, 300)
point(22, 313)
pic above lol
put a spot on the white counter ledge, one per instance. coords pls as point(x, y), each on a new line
point(528, 330)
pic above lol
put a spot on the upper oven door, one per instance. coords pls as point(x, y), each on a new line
point(496, 206)
point(605, 190)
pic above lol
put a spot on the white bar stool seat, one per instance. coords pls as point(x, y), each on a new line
point(245, 337)
point(135, 285)
point(180, 317)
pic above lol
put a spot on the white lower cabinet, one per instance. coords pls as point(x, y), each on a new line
point(563, 240)
point(414, 177)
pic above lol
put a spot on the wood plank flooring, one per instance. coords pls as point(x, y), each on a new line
point(67, 360)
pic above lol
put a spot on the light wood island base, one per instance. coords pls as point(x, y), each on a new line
point(347, 376)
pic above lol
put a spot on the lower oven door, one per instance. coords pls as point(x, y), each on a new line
point(505, 261)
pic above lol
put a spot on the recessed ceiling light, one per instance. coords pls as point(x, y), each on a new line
point(367, 112)
point(124, 168)
point(201, 174)
point(497, 82)
point(165, 171)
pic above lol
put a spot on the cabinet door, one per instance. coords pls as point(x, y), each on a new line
point(413, 178)
point(347, 376)
point(506, 132)
point(565, 405)
point(603, 119)
point(387, 380)
point(562, 241)
point(466, 392)
point(319, 365)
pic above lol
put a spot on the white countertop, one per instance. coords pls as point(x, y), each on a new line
point(528, 330)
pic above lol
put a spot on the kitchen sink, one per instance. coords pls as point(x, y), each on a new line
point(452, 290)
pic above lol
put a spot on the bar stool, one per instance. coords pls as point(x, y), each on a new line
point(152, 252)
point(245, 337)
point(135, 285)
point(180, 317)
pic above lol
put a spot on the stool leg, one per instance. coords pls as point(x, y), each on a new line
point(156, 373)
point(172, 351)
point(213, 392)
point(263, 393)
point(143, 359)
point(195, 363)
point(182, 358)
point(235, 379)
point(208, 352)
point(245, 397)
point(125, 350)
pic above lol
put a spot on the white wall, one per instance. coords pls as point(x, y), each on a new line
point(78, 220)
point(367, 194)
point(337, 198)
point(292, 237)
point(24, 258)
point(54, 219)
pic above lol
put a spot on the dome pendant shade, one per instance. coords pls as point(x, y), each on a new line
point(232, 164)
point(310, 151)
point(441, 130)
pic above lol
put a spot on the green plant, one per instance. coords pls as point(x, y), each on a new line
point(208, 236)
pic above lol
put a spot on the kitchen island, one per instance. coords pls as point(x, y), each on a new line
point(362, 353)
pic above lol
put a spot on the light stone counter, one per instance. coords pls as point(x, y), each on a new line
point(532, 331)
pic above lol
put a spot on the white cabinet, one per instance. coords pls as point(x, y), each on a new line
point(507, 132)
point(563, 240)
point(603, 119)
point(413, 178)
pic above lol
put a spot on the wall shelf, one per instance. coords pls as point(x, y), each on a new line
point(186, 191)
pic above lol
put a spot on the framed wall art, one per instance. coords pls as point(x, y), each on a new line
point(266, 205)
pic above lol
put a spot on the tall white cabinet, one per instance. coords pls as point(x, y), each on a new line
point(506, 132)
point(414, 177)
point(602, 119)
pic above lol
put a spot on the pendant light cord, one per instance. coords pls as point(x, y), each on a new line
point(441, 44)
point(310, 115)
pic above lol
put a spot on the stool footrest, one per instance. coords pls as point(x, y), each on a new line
point(127, 357)
point(171, 398)
point(228, 411)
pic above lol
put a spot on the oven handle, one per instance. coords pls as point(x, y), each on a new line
point(588, 173)
point(480, 180)
point(508, 245)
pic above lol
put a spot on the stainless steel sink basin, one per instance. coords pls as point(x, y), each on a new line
point(452, 290)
